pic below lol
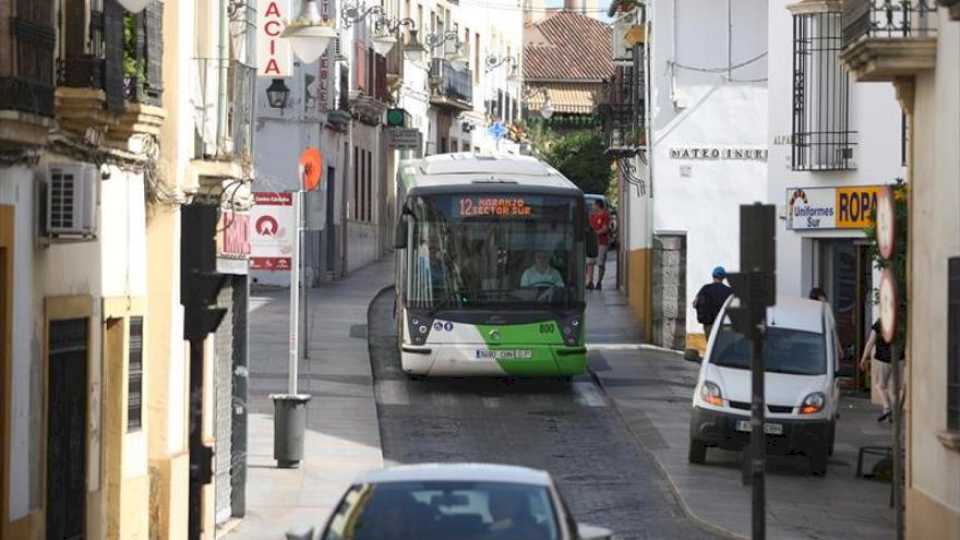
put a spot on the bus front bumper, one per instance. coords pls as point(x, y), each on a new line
point(507, 360)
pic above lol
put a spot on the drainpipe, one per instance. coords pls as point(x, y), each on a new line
point(222, 58)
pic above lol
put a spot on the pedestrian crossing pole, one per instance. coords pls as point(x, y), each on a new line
point(755, 290)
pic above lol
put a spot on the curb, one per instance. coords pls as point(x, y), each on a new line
point(373, 380)
point(687, 511)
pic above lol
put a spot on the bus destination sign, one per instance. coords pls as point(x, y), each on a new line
point(494, 206)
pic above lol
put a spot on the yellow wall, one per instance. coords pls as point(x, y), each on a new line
point(639, 294)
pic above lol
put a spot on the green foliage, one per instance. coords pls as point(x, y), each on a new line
point(580, 157)
point(132, 66)
point(899, 260)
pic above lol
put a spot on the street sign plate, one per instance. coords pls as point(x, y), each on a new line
point(404, 137)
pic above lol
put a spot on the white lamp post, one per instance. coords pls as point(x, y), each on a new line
point(383, 44)
point(309, 35)
point(546, 111)
point(134, 6)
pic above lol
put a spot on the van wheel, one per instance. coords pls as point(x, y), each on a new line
point(818, 463)
point(698, 452)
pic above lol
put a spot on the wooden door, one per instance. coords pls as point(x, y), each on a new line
point(66, 429)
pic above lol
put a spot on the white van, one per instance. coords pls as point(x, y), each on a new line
point(800, 353)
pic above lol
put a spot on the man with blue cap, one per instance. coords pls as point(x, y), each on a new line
point(710, 299)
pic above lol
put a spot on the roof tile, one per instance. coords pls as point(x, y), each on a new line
point(569, 46)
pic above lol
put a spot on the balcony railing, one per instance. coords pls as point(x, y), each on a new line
point(888, 19)
point(223, 101)
point(451, 85)
point(621, 108)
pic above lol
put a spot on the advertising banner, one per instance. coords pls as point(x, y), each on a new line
point(273, 226)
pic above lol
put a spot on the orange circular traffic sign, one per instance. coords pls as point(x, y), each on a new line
point(311, 168)
point(888, 305)
point(886, 223)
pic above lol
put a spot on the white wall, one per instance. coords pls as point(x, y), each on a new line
point(874, 114)
point(702, 34)
point(706, 204)
point(112, 265)
point(934, 237)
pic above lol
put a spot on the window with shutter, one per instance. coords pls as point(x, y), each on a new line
point(28, 87)
point(153, 52)
point(135, 376)
point(113, 15)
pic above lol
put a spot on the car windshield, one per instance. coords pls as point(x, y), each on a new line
point(442, 510)
point(495, 250)
point(785, 351)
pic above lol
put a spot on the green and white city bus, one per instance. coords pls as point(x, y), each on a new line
point(490, 261)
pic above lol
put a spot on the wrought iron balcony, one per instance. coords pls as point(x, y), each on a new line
point(223, 100)
point(621, 109)
point(886, 39)
point(953, 6)
point(450, 87)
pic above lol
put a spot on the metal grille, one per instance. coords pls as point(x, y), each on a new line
point(953, 346)
point(451, 82)
point(822, 138)
point(135, 376)
point(621, 108)
point(888, 19)
point(232, 135)
point(62, 199)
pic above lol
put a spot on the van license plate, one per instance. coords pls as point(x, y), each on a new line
point(769, 429)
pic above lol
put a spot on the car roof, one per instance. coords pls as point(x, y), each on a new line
point(796, 313)
point(468, 472)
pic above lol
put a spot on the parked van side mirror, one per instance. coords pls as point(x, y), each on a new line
point(400, 237)
point(692, 355)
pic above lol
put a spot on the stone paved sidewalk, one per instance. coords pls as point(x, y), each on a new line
point(343, 437)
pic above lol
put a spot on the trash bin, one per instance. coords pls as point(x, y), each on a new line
point(289, 424)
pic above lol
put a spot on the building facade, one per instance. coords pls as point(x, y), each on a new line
point(700, 138)
point(833, 141)
point(102, 135)
point(917, 48)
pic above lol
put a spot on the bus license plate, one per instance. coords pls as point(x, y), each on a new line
point(504, 354)
point(768, 428)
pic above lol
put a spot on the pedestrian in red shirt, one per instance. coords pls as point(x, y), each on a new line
point(600, 223)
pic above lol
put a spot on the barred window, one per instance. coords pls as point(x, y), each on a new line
point(822, 138)
point(953, 345)
point(135, 376)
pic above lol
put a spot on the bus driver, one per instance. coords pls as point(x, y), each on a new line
point(541, 273)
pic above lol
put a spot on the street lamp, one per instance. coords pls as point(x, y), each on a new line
point(413, 51)
point(134, 6)
point(494, 61)
point(546, 110)
point(309, 34)
point(383, 43)
point(277, 94)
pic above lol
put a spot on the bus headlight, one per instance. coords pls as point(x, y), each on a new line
point(710, 393)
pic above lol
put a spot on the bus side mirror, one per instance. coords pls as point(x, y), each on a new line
point(400, 238)
point(591, 241)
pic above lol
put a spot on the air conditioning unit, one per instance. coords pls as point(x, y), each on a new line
point(68, 202)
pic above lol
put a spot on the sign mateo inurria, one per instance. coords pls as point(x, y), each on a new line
point(273, 53)
point(739, 153)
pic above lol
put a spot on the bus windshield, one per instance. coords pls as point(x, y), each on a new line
point(482, 250)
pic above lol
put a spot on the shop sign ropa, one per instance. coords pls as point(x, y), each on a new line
point(831, 208)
